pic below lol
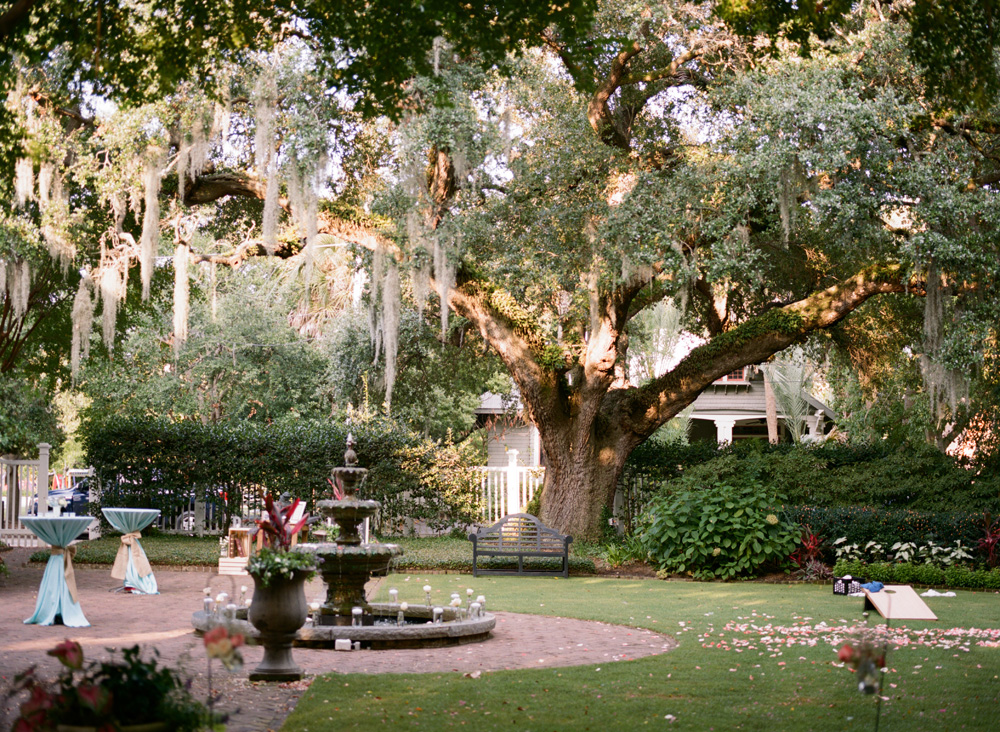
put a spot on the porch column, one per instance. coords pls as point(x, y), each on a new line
point(513, 483)
point(816, 425)
point(724, 429)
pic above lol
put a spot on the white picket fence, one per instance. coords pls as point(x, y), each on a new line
point(507, 490)
point(19, 483)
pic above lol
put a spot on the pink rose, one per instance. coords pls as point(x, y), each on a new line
point(92, 696)
point(215, 635)
point(69, 653)
point(846, 653)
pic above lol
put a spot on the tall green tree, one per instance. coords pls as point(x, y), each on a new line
point(242, 360)
point(653, 154)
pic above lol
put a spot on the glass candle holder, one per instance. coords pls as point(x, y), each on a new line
point(427, 593)
point(482, 603)
point(475, 610)
point(356, 616)
point(393, 595)
point(403, 607)
point(438, 615)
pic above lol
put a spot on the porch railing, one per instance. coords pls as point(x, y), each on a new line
point(22, 482)
point(507, 490)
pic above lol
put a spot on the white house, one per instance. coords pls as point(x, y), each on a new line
point(732, 408)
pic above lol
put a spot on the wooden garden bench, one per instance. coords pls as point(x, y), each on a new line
point(520, 535)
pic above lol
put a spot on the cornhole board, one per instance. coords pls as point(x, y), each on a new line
point(898, 602)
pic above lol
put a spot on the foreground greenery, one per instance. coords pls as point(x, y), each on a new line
point(718, 677)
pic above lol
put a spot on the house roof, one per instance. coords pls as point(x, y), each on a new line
point(743, 398)
point(746, 398)
point(490, 403)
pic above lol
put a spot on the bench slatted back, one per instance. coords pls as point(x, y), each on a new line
point(520, 532)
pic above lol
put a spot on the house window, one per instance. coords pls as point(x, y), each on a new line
point(739, 375)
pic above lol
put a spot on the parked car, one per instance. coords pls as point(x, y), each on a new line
point(75, 499)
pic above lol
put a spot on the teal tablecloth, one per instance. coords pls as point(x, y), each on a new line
point(57, 594)
point(131, 564)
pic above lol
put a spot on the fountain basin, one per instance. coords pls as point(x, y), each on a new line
point(345, 569)
point(451, 632)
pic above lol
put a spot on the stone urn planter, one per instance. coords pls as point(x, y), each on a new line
point(278, 610)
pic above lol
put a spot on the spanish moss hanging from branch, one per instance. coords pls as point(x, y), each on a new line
point(390, 326)
point(151, 218)
point(948, 388)
point(83, 319)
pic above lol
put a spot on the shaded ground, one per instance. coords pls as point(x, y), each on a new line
point(163, 621)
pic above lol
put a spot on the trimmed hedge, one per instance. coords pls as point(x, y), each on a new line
point(906, 573)
point(828, 474)
point(164, 464)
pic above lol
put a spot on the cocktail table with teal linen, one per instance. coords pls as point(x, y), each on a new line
point(57, 596)
point(131, 564)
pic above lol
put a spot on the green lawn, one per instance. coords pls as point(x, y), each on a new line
point(160, 548)
point(751, 657)
point(438, 553)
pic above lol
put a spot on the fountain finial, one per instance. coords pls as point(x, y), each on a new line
point(350, 457)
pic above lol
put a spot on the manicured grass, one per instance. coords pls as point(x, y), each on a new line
point(160, 548)
point(437, 553)
point(751, 657)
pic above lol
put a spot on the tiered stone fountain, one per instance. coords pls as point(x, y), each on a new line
point(346, 565)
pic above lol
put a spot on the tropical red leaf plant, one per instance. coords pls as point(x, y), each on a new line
point(337, 487)
point(989, 545)
point(811, 549)
point(278, 527)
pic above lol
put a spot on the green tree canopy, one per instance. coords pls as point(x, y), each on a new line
point(654, 154)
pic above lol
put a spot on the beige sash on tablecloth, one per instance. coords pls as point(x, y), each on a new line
point(67, 554)
point(138, 557)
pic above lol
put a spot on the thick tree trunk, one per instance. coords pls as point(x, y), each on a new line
point(578, 487)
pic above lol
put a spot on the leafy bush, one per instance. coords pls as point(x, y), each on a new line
point(989, 543)
point(627, 549)
point(719, 530)
point(861, 524)
point(829, 474)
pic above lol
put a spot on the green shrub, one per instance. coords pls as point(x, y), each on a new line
point(829, 474)
point(927, 574)
point(718, 531)
point(854, 568)
point(921, 574)
point(862, 524)
point(162, 464)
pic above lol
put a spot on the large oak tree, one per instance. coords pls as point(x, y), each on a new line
point(548, 203)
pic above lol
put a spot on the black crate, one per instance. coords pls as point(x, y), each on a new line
point(847, 585)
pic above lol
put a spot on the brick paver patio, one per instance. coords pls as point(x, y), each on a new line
point(163, 621)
